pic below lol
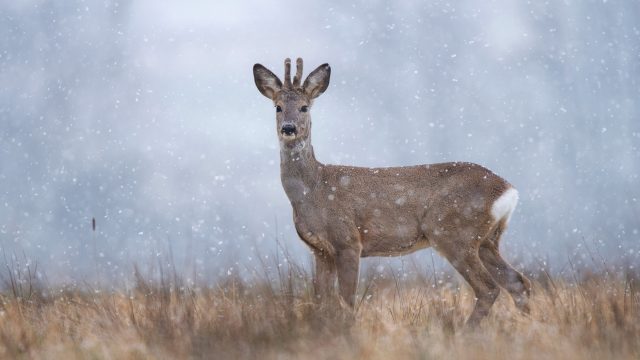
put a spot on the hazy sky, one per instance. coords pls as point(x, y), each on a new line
point(144, 115)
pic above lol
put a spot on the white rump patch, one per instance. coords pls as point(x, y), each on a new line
point(503, 207)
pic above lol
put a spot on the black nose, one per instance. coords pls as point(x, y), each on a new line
point(288, 129)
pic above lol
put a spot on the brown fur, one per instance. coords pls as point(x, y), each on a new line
point(344, 213)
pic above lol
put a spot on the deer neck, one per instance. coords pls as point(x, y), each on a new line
point(299, 170)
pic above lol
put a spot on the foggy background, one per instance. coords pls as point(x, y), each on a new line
point(144, 115)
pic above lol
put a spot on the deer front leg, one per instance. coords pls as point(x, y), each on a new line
point(348, 264)
point(324, 281)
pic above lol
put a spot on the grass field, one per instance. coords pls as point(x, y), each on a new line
point(589, 316)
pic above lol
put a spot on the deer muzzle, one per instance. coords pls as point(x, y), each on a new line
point(288, 130)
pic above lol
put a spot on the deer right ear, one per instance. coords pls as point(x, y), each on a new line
point(267, 82)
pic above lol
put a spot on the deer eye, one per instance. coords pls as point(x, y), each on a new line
point(278, 108)
point(304, 109)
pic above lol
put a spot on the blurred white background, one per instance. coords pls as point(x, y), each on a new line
point(144, 115)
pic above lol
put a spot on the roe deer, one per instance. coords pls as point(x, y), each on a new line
point(344, 213)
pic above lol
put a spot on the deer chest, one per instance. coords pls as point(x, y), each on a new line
point(314, 237)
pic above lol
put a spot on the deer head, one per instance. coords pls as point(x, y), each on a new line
point(292, 100)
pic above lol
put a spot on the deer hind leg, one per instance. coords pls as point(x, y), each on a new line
point(518, 286)
point(469, 265)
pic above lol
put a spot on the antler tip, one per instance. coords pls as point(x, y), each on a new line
point(287, 73)
point(298, 77)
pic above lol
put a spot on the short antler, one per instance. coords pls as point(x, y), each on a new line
point(287, 73)
point(298, 77)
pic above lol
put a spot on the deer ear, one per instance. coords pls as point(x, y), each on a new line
point(317, 82)
point(267, 82)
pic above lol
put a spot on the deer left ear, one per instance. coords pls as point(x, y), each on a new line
point(317, 82)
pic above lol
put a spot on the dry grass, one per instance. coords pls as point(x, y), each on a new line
point(593, 317)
